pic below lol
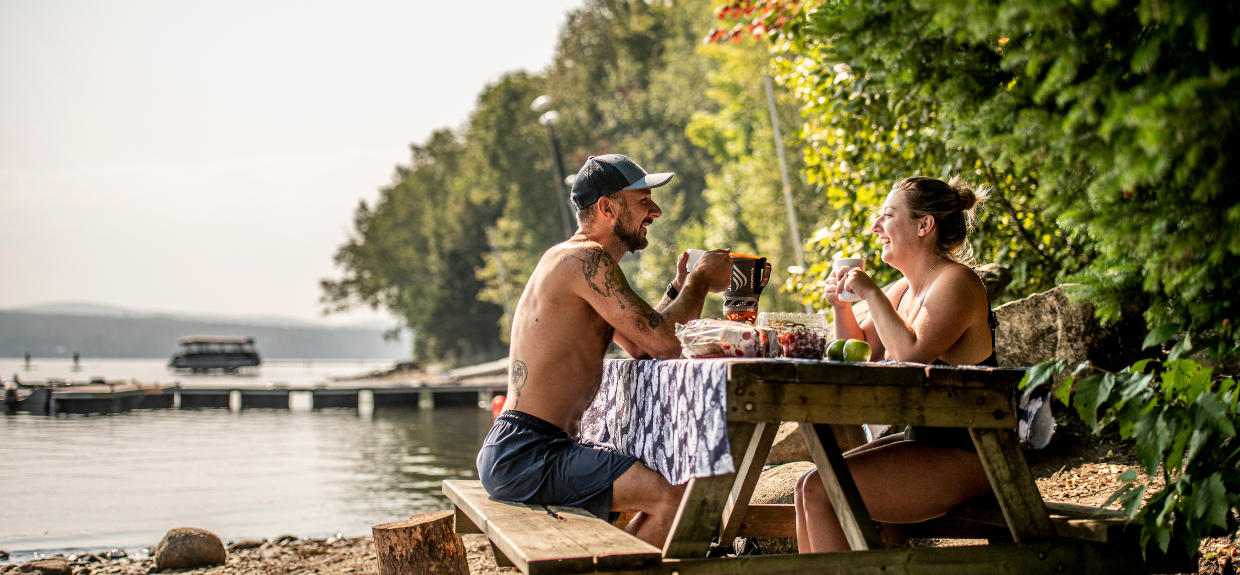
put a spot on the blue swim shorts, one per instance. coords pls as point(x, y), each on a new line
point(529, 460)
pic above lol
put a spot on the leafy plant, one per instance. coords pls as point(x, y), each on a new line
point(867, 126)
point(1184, 422)
point(1105, 127)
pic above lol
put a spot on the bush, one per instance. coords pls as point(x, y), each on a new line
point(1184, 422)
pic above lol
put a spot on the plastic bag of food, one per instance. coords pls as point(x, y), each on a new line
point(723, 338)
point(800, 335)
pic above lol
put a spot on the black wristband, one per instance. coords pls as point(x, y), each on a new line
point(672, 292)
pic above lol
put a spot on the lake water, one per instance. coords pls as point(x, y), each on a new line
point(88, 483)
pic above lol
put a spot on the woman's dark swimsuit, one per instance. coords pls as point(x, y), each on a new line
point(955, 437)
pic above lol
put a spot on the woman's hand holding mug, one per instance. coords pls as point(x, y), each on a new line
point(848, 282)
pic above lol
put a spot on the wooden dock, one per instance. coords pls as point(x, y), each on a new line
point(473, 386)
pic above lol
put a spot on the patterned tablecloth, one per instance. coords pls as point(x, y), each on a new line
point(670, 414)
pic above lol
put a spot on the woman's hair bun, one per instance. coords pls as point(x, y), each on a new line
point(952, 204)
point(970, 198)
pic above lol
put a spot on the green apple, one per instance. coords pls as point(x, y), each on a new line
point(856, 350)
point(835, 351)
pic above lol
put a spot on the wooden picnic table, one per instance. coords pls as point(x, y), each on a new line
point(761, 394)
point(824, 397)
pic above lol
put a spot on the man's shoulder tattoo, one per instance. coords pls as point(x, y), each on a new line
point(599, 269)
point(603, 274)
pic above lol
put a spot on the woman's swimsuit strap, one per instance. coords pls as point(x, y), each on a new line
point(992, 319)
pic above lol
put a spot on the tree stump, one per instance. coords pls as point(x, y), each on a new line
point(426, 544)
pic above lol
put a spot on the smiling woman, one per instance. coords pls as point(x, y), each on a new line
point(923, 227)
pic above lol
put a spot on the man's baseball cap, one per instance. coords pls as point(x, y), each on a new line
point(607, 174)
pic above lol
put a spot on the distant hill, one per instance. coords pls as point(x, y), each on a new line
point(93, 330)
point(93, 309)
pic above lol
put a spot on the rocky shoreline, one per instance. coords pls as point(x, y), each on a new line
point(343, 556)
point(356, 555)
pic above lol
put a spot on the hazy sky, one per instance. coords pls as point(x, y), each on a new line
point(207, 156)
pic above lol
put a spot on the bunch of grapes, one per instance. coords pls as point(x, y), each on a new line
point(802, 344)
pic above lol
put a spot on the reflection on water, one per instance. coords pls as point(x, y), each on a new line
point(123, 480)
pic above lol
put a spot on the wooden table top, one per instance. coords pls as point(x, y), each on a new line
point(873, 373)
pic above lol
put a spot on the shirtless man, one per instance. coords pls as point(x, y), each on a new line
point(575, 304)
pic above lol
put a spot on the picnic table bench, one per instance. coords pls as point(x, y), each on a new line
point(1025, 533)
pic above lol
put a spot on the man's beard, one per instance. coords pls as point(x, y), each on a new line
point(633, 240)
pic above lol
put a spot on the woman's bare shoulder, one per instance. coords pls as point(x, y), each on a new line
point(963, 281)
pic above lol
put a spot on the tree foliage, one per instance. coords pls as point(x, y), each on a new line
point(415, 251)
point(1106, 127)
point(747, 210)
point(627, 77)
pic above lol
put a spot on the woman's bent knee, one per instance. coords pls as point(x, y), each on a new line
point(805, 478)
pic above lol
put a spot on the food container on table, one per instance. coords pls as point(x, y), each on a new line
point(799, 335)
point(723, 338)
point(749, 275)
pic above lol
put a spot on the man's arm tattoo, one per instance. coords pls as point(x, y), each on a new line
point(605, 277)
point(516, 380)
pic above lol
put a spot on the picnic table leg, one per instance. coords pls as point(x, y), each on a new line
point(701, 509)
point(1013, 484)
point(747, 475)
point(838, 481)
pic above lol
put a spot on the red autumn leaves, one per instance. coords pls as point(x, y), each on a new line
point(765, 17)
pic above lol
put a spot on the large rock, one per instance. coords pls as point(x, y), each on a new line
point(996, 279)
point(1046, 326)
point(46, 567)
point(776, 486)
point(189, 547)
point(789, 445)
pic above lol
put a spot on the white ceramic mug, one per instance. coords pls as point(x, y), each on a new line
point(694, 256)
point(848, 263)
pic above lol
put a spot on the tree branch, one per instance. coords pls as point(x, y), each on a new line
point(1020, 230)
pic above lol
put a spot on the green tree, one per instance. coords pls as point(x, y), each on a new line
point(414, 254)
point(625, 79)
point(512, 170)
point(1118, 118)
point(747, 210)
point(1106, 125)
point(862, 133)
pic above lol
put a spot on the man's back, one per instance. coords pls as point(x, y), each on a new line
point(558, 338)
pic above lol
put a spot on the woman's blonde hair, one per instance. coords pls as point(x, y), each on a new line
point(953, 205)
